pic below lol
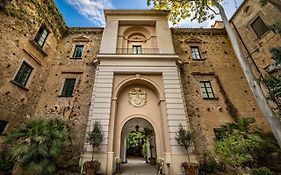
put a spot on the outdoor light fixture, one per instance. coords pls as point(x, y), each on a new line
point(137, 127)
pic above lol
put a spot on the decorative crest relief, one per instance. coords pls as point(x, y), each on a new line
point(80, 39)
point(137, 97)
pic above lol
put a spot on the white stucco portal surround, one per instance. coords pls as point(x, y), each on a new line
point(103, 103)
point(142, 68)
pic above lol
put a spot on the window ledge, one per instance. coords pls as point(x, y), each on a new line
point(261, 37)
point(64, 96)
point(202, 59)
point(206, 98)
point(19, 85)
point(76, 58)
point(38, 47)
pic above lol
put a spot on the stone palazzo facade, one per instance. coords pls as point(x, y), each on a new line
point(136, 71)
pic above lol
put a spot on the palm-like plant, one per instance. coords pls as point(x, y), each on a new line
point(38, 144)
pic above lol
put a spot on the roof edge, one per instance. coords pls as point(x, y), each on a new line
point(239, 8)
point(111, 12)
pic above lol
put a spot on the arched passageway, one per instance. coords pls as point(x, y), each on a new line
point(138, 140)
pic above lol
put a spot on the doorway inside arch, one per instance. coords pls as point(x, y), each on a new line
point(138, 147)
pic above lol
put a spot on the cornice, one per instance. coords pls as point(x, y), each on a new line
point(86, 30)
point(196, 31)
point(110, 12)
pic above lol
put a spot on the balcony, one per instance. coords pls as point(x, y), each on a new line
point(142, 51)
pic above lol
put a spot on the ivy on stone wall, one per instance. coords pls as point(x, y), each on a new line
point(47, 13)
point(230, 108)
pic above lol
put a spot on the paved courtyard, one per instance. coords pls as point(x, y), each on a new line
point(137, 166)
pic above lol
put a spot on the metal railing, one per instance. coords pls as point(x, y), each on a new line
point(142, 51)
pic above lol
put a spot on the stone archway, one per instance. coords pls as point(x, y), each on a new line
point(132, 125)
point(147, 105)
point(127, 110)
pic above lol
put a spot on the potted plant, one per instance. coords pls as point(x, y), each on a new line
point(159, 166)
point(118, 166)
point(95, 137)
point(148, 136)
point(184, 138)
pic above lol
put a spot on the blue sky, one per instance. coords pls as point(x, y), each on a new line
point(89, 13)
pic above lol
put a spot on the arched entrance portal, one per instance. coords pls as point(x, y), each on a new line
point(137, 100)
point(138, 141)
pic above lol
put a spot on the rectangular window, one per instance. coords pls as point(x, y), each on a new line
point(41, 36)
point(137, 49)
point(23, 74)
point(3, 125)
point(195, 53)
point(259, 27)
point(68, 87)
point(207, 90)
point(78, 51)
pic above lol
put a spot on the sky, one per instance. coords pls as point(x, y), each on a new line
point(89, 13)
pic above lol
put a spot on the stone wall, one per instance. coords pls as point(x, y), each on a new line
point(254, 47)
point(72, 109)
point(53, 63)
point(218, 64)
point(20, 21)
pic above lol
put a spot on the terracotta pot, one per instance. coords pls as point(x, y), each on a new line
point(190, 172)
point(191, 169)
point(152, 161)
point(90, 171)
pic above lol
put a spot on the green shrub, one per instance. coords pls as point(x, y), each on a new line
point(261, 171)
point(6, 162)
point(159, 166)
point(208, 166)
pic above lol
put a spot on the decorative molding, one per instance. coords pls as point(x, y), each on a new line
point(203, 73)
point(198, 31)
point(72, 72)
point(80, 39)
point(33, 57)
point(192, 40)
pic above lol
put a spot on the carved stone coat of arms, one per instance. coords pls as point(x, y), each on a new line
point(137, 97)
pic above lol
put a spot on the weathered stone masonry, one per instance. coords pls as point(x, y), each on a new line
point(20, 21)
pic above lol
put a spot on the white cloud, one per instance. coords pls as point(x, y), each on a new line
point(92, 9)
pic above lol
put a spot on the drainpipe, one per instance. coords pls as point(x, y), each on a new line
point(247, 50)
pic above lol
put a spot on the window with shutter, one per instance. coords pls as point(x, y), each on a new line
point(68, 87)
point(41, 36)
point(23, 74)
point(78, 51)
point(207, 90)
point(259, 27)
point(195, 53)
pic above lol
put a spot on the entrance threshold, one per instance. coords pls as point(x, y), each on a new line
point(137, 166)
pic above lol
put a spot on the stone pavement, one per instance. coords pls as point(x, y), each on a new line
point(137, 166)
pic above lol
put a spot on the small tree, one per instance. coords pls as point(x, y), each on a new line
point(95, 137)
point(184, 138)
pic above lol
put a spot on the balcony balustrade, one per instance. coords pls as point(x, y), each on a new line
point(142, 51)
